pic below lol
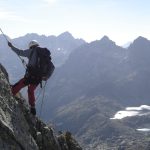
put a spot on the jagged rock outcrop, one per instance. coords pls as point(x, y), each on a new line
point(19, 130)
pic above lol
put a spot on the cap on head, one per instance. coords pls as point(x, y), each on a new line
point(33, 43)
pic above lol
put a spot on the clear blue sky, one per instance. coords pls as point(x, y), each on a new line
point(120, 20)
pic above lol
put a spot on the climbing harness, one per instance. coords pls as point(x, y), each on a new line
point(22, 60)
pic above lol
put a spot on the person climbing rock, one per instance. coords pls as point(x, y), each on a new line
point(35, 72)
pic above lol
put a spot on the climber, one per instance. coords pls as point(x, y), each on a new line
point(31, 78)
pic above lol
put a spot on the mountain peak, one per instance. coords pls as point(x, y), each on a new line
point(105, 40)
point(32, 34)
point(140, 39)
point(66, 35)
point(140, 42)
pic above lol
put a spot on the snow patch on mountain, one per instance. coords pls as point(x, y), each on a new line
point(132, 111)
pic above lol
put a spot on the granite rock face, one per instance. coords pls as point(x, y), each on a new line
point(19, 130)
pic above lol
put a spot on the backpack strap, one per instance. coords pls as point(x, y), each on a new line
point(30, 70)
point(36, 49)
point(31, 54)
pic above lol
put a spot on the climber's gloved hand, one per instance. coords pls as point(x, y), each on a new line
point(10, 44)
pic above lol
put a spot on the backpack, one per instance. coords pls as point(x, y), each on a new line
point(44, 66)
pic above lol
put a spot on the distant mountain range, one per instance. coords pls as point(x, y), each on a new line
point(103, 68)
point(99, 79)
point(60, 46)
point(91, 83)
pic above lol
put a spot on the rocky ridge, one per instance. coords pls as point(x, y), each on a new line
point(19, 130)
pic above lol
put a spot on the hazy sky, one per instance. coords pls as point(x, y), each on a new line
point(120, 20)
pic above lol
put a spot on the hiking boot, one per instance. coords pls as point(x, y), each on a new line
point(33, 111)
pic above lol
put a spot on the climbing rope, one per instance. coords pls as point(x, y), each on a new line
point(44, 87)
point(22, 60)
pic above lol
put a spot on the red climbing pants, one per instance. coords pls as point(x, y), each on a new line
point(31, 88)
